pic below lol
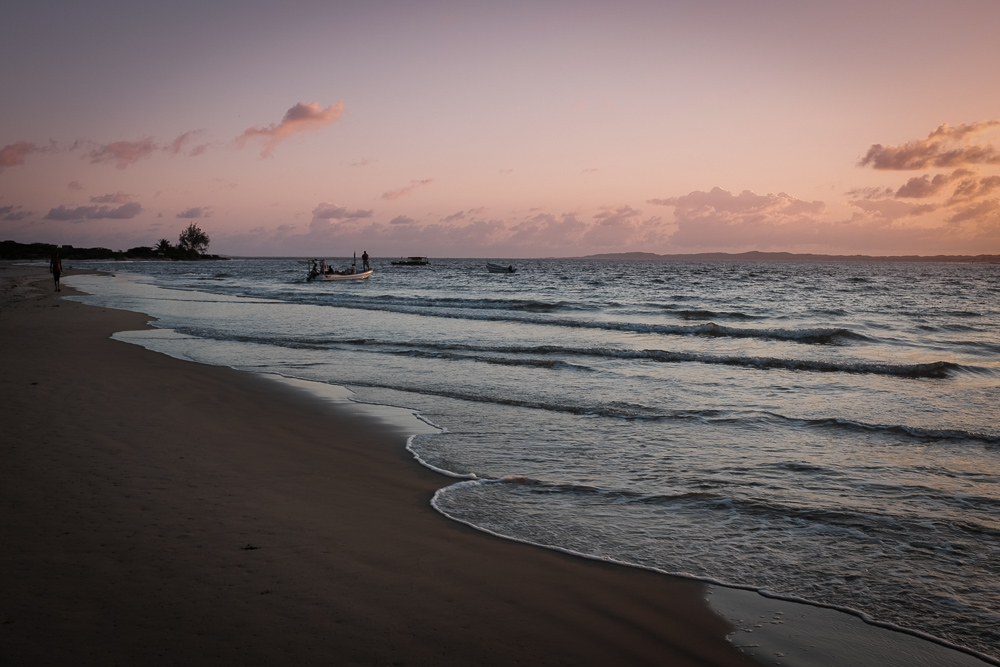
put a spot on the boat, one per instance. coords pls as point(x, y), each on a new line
point(412, 261)
point(323, 271)
point(499, 268)
point(364, 275)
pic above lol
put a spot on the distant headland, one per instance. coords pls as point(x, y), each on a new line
point(757, 256)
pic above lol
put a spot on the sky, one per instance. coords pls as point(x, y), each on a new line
point(503, 130)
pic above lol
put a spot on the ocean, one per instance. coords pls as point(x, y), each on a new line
point(825, 432)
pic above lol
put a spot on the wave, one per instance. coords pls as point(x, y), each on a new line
point(438, 504)
point(703, 314)
point(931, 370)
point(428, 303)
point(901, 429)
point(868, 526)
point(527, 312)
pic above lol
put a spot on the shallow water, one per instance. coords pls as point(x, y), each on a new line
point(825, 432)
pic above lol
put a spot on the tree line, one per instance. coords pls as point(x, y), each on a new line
point(192, 244)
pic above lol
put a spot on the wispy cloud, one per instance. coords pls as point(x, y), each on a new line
point(177, 145)
point(123, 153)
point(406, 189)
point(124, 212)
point(13, 213)
point(946, 146)
point(921, 187)
point(979, 213)
point(13, 155)
point(300, 118)
point(326, 211)
point(117, 198)
point(327, 215)
point(196, 212)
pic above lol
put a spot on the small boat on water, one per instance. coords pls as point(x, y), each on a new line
point(323, 271)
point(412, 261)
point(364, 275)
point(499, 268)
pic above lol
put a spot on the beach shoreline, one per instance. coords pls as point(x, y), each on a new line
point(159, 511)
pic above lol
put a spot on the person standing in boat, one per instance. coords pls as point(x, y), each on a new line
point(365, 266)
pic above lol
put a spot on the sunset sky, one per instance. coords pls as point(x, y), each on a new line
point(503, 129)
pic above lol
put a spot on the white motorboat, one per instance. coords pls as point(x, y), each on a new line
point(499, 268)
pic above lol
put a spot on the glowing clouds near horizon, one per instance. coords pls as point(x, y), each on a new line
point(300, 118)
point(968, 208)
point(946, 146)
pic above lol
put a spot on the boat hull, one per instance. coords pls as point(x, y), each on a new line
point(496, 268)
point(364, 275)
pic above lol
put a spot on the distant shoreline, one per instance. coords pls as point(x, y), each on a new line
point(757, 256)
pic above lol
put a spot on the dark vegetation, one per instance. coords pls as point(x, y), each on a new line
point(192, 244)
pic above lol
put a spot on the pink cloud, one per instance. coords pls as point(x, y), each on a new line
point(406, 189)
point(123, 153)
point(117, 198)
point(870, 193)
point(178, 144)
point(327, 215)
point(300, 118)
point(620, 227)
point(946, 146)
point(545, 230)
point(74, 185)
point(746, 205)
point(326, 211)
point(985, 213)
point(971, 188)
point(13, 155)
point(720, 219)
point(925, 186)
point(885, 211)
point(196, 212)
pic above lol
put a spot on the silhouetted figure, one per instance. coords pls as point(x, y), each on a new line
point(55, 266)
point(365, 266)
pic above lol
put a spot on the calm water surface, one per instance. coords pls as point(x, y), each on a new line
point(825, 432)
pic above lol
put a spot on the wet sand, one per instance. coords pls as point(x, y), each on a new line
point(155, 511)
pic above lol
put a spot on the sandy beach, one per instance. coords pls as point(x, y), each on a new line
point(156, 511)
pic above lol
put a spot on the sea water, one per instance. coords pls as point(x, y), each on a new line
point(819, 431)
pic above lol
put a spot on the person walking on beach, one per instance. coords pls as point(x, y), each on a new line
point(365, 266)
point(55, 266)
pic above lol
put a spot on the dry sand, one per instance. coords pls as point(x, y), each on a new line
point(155, 511)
